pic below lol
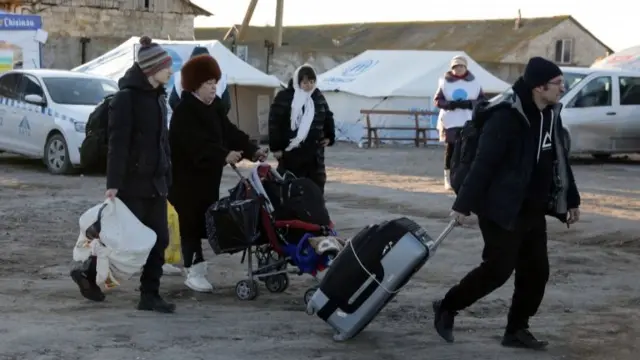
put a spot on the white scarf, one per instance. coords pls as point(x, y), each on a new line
point(300, 119)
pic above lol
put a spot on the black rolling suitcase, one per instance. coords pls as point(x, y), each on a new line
point(369, 272)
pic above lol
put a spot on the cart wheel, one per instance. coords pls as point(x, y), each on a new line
point(246, 290)
point(277, 283)
point(309, 294)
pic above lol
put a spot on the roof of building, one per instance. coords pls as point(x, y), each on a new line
point(484, 40)
point(198, 10)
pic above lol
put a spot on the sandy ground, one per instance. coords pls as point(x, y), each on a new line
point(591, 310)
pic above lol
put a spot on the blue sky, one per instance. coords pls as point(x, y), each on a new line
point(614, 22)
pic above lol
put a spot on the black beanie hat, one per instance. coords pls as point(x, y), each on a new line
point(199, 50)
point(540, 71)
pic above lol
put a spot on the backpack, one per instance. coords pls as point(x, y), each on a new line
point(297, 199)
point(466, 144)
point(94, 148)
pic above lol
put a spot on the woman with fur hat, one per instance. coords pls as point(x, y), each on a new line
point(458, 92)
point(203, 141)
point(301, 125)
point(221, 87)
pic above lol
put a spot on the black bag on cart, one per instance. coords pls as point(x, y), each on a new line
point(232, 222)
point(373, 267)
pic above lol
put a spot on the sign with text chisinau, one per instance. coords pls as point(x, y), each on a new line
point(19, 22)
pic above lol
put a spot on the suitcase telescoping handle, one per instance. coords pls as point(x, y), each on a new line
point(434, 244)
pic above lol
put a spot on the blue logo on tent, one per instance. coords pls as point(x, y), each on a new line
point(177, 65)
point(359, 68)
point(460, 94)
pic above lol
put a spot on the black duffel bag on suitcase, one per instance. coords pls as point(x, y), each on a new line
point(374, 265)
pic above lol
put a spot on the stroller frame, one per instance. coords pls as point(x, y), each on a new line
point(273, 263)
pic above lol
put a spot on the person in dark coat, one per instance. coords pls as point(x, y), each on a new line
point(138, 160)
point(301, 125)
point(521, 173)
point(221, 90)
point(203, 141)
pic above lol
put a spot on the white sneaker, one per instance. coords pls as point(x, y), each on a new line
point(197, 278)
point(171, 270)
point(447, 182)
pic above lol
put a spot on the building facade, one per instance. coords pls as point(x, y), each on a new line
point(81, 30)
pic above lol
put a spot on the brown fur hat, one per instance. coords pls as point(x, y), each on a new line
point(198, 70)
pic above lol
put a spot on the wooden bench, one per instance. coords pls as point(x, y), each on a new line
point(421, 133)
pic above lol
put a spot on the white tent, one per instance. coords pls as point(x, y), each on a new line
point(627, 59)
point(251, 90)
point(391, 80)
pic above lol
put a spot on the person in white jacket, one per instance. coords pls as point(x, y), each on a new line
point(458, 92)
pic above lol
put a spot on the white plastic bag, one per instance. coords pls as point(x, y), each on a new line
point(123, 246)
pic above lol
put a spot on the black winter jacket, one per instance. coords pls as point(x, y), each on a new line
point(201, 136)
point(138, 162)
point(174, 99)
point(499, 178)
point(280, 133)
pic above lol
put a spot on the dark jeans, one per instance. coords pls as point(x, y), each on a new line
point(152, 212)
point(448, 153)
point(191, 251)
point(523, 250)
point(450, 135)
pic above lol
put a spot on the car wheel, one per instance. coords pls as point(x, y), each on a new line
point(56, 155)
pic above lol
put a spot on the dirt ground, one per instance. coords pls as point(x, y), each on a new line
point(591, 309)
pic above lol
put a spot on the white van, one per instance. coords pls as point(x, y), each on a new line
point(601, 114)
point(43, 113)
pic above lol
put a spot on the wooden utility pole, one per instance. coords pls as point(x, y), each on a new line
point(247, 19)
point(277, 36)
point(279, 14)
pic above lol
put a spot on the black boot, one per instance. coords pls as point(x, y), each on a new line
point(523, 339)
point(84, 275)
point(443, 321)
point(153, 302)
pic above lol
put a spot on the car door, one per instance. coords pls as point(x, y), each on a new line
point(628, 137)
point(592, 115)
point(34, 123)
point(9, 111)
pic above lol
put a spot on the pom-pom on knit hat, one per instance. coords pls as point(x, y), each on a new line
point(152, 58)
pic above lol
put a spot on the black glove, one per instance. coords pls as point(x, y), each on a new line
point(466, 104)
point(455, 104)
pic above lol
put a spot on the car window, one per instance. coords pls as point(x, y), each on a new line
point(596, 93)
point(109, 87)
point(30, 86)
point(9, 86)
point(629, 90)
point(572, 79)
point(79, 91)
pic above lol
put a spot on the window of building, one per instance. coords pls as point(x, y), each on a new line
point(564, 51)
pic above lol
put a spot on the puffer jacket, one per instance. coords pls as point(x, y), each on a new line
point(280, 133)
point(138, 160)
